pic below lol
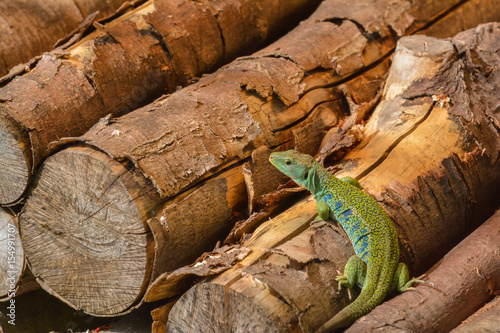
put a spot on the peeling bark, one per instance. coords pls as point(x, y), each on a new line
point(199, 133)
point(29, 28)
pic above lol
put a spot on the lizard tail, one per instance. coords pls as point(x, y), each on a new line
point(340, 320)
point(366, 301)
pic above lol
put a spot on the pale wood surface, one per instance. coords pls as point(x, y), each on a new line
point(99, 236)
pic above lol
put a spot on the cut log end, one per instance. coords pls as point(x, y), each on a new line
point(84, 235)
point(239, 315)
point(14, 167)
point(11, 256)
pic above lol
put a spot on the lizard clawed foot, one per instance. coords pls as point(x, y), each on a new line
point(419, 280)
point(410, 283)
point(342, 279)
point(413, 289)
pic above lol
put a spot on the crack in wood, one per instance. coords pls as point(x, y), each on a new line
point(352, 76)
point(339, 20)
point(300, 120)
point(440, 16)
point(384, 156)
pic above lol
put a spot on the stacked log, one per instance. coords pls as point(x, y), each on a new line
point(124, 64)
point(16, 279)
point(145, 200)
point(486, 319)
point(29, 28)
point(429, 154)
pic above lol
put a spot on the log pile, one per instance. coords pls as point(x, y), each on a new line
point(112, 213)
point(124, 64)
point(201, 134)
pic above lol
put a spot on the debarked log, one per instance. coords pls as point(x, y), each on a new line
point(124, 64)
point(429, 155)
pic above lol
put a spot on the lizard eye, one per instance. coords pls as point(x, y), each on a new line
point(306, 175)
point(288, 162)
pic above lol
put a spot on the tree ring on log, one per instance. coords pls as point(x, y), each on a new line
point(240, 313)
point(84, 235)
point(15, 168)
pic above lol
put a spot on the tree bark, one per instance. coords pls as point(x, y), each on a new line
point(432, 162)
point(123, 65)
point(29, 28)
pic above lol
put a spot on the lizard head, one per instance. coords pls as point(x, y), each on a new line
point(295, 165)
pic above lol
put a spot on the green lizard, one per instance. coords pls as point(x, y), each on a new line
point(375, 267)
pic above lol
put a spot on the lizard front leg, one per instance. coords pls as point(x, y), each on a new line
point(323, 210)
point(354, 273)
point(323, 213)
point(322, 205)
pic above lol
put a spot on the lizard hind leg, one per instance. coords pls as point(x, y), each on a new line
point(354, 273)
point(402, 282)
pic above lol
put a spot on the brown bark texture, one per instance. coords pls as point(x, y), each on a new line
point(429, 154)
point(29, 28)
point(124, 64)
point(462, 282)
point(151, 190)
point(486, 319)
